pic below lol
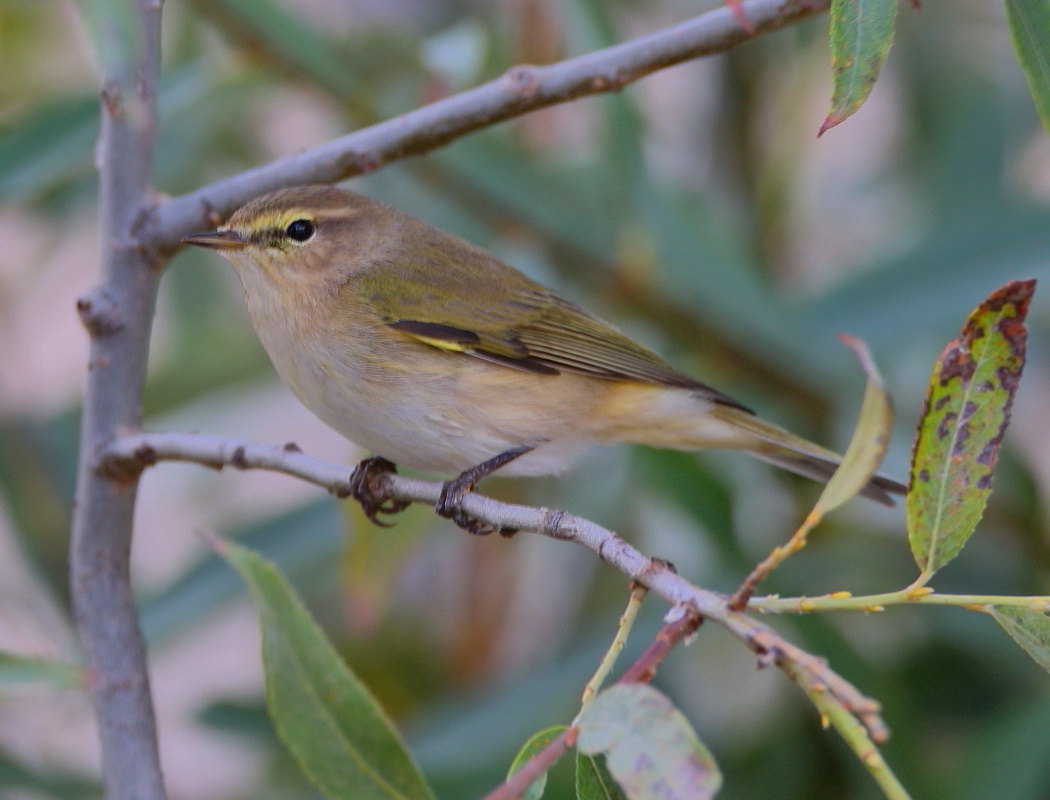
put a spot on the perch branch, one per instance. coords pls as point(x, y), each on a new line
point(134, 453)
point(117, 316)
point(521, 89)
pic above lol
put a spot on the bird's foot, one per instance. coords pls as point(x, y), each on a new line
point(366, 487)
point(450, 506)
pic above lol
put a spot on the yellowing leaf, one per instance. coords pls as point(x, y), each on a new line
point(867, 446)
point(967, 410)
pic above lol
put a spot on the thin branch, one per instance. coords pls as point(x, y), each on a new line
point(623, 630)
point(834, 713)
point(133, 453)
point(117, 315)
point(923, 595)
point(683, 625)
point(521, 89)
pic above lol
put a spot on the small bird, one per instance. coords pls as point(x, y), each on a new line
point(432, 353)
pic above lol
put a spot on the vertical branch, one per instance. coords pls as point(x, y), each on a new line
point(117, 315)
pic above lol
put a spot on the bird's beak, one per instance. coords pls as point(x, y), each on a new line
point(222, 239)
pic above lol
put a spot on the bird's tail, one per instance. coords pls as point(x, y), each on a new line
point(775, 445)
point(679, 419)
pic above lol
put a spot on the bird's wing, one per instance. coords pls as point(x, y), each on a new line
point(520, 324)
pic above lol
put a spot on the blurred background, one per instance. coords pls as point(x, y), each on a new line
point(697, 210)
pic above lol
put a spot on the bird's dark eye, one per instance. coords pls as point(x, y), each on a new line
point(300, 230)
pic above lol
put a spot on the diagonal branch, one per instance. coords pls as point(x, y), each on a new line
point(521, 89)
point(133, 453)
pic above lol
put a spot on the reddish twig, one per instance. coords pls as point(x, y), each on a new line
point(516, 784)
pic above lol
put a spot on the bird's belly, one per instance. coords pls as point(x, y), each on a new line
point(448, 414)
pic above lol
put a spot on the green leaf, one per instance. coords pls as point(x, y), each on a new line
point(48, 145)
point(1030, 30)
point(870, 437)
point(649, 746)
point(1029, 628)
point(341, 738)
point(532, 746)
point(593, 781)
point(19, 669)
point(967, 410)
point(280, 33)
point(300, 541)
point(861, 35)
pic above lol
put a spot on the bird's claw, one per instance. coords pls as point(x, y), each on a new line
point(366, 487)
point(450, 506)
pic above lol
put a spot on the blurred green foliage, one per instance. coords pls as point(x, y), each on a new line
point(697, 210)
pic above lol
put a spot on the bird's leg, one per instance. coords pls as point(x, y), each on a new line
point(450, 503)
point(366, 489)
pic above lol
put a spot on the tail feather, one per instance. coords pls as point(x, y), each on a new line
point(879, 488)
point(777, 446)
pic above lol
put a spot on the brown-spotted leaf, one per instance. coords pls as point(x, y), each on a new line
point(967, 410)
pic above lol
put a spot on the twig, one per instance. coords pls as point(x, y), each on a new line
point(627, 619)
point(521, 89)
point(134, 453)
point(117, 316)
point(738, 600)
point(683, 624)
point(924, 595)
point(834, 713)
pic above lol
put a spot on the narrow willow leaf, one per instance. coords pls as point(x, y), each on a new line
point(868, 443)
point(1029, 628)
point(967, 410)
point(532, 746)
point(593, 781)
point(327, 718)
point(282, 35)
point(1030, 30)
point(19, 669)
point(861, 35)
point(650, 748)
